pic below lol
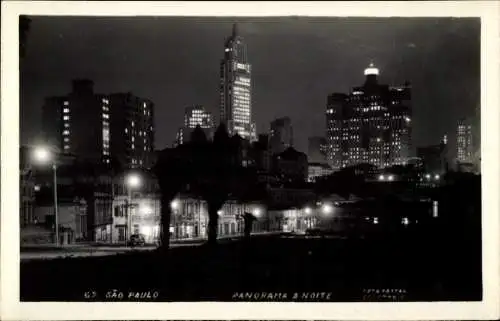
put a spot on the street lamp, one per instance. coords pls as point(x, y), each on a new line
point(132, 181)
point(327, 209)
point(43, 155)
point(174, 205)
point(307, 210)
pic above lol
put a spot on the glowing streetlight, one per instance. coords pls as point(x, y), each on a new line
point(257, 212)
point(391, 178)
point(133, 181)
point(428, 176)
point(436, 177)
point(220, 212)
point(43, 155)
point(381, 178)
point(174, 204)
point(308, 210)
point(327, 209)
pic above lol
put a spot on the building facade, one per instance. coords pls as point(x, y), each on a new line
point(72, 218)
point(280, 135)
point(316, 151)
point(102, 129)
point(371, 125)
point(74, 123)
point(316, 170)
point(434, 158)
point(291, 165)
point(236, 88)
point(131, 140)
point(196, 116)
point(26, 188)
point(465, 147)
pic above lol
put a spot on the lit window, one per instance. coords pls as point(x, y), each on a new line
point(66, 117)
point(66, 132)
point(66, 103)
point(126, 130)
point(133, 138)
point(133, 124)
point(66, 139)
point(66, 125)
point(105, 116)
point(66, 146)
point(133, 146)
point(66, 110)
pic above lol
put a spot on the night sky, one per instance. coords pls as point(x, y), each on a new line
point(296, 63)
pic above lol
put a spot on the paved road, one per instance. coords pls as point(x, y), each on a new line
point(86, 251)
point(45, 252)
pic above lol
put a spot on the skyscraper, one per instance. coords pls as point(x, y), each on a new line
point(370, 125)
point(132, 130)
point(236, 88)
point(98, 127)
point(281, 135)
point(78, 123)
point(465, 147)
point(195, 116)
point(316, 149)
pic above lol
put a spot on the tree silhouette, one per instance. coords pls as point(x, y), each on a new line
point(211, 169)
point(214, 173)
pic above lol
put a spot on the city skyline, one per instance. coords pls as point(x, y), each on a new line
point(412, 52)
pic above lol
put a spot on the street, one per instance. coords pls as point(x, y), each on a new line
point(49, 251)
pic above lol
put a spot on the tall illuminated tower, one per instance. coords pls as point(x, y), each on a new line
point(371, 125)
point(236, 88)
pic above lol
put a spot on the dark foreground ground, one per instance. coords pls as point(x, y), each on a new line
point(417, 268)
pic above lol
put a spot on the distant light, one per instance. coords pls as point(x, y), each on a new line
point(436, 177)
point(256, 212)
point(375, 220)
point(327, 209)
point(435, 209)
point(175, 204)
point(133, 180)
point(405, 221)
point(146, 210)
point(371, 70)
point(391, 177)
point(37, 188)
point(146, 230)
point(220, 212)
point(381, 178)
point(428, 176)
point(307, 210)
point(42, 154)
point(408, 119)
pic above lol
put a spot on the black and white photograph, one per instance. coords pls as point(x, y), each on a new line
point(246, 158)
